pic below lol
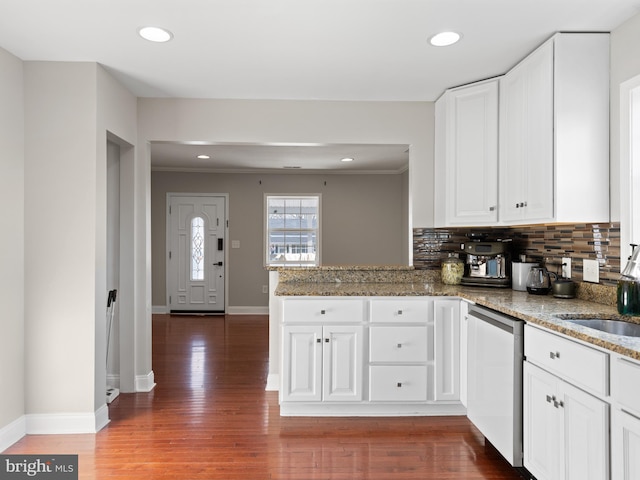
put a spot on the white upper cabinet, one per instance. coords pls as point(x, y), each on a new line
point(531, 146)
point(554, 133)
point(466, 186)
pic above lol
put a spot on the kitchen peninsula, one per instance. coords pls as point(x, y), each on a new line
point(402, 281)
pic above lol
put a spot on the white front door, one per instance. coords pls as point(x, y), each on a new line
point(196, 239)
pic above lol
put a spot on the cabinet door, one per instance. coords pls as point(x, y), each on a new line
point(342, 363)
point(464, 322)
point(526, 139)
point(586, 433)
point(472, 154)
point(542, 424)
point(538, 172)
point(447, 350)
point(625, 446)
point(302, 363)
point(513, 93)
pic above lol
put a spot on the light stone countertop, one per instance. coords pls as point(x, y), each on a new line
point(543, 310)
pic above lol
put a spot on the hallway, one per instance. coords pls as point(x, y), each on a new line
point(210, 418)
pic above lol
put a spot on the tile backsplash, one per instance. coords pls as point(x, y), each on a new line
point(545, 243)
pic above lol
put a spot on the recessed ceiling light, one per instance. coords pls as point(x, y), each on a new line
point(347, 159)
point(444, 39)
point(204, 157)
point(155, 34)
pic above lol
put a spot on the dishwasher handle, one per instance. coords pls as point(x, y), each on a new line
point(499, 320)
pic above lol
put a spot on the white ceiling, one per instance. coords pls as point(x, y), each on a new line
point(374, 50)
point(288, 158)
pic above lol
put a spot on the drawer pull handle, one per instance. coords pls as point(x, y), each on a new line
point(322, 312)
point(399, 312)
point(318, 340)
point(558, 404)
point(326, 340)
point(549, 399)
point(399, 384)
point(553, 355)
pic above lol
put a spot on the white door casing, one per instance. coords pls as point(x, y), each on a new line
point(196, 227)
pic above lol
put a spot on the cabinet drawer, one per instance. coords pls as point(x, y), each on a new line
point(625, 384)
point(577, 363)
point(397, 383)
point(398, 344)
point(320, 311)
point(400, 310)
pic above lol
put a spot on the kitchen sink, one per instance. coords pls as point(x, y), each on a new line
point(616, 327)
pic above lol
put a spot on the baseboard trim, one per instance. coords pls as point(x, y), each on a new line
point(113, 380)
point(273, 382)
point(248, 310)
point(163, 310)
point(145, 383)
point(12, 432)
point(60, 423)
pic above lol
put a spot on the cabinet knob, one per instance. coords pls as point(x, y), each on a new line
point(399, 345)
point(549, 399)
point(326, 340)
point(322, 312)
point(399, 385)
point(399, 312)
point(517, 205)
point(491, 209)
point(318, 340)
point(553, 355)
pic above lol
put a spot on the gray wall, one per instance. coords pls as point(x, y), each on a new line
point(364, 221)
point(12, 381)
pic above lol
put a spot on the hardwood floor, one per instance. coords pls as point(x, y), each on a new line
point(210, 418)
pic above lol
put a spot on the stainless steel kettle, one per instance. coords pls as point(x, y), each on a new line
point(539, 281)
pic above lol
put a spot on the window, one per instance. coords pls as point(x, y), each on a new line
point(292, 230)
point(197, 248)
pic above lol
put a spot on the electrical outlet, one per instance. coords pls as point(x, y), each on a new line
point(566, 267)
point(591, 271)
point(265, 288)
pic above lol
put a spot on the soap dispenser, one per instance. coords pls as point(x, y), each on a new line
point(628, 292)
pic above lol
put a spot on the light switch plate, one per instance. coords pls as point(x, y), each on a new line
point(591, 271)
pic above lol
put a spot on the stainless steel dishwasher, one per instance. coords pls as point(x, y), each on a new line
point(494, 369)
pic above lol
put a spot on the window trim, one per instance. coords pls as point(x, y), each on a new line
point(265, 245)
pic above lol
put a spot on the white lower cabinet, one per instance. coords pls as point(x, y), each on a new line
point(566, 429)
point(447, 350)
point(324, 363)
point(625, 419)
point(370, 356)
point(625, 446)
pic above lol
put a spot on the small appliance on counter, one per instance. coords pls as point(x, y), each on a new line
point(563, 288)
point(520, 274)
point(539, 281)
point(487, 264)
